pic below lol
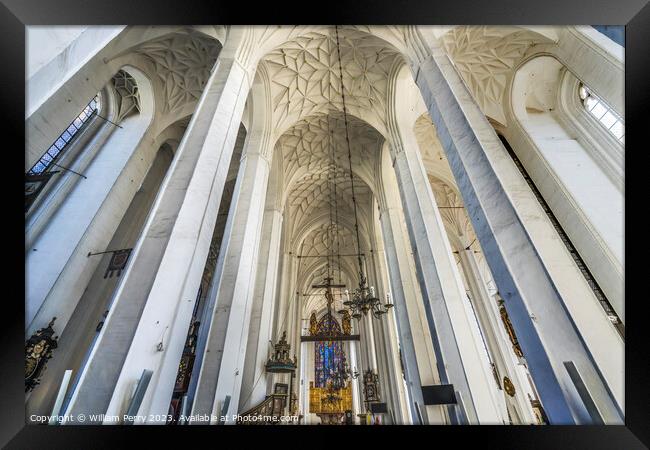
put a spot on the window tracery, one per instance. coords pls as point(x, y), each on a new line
point(605, 115)
point(61, 143)
point(38, 176)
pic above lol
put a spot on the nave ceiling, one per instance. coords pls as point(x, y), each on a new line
point(305, 77)
point(307, 107)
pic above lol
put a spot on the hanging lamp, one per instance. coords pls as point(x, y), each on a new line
point(363, 298)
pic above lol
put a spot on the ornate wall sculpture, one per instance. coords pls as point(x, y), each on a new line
point(38, 350)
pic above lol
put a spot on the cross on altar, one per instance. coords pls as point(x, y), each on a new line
point(328, 294)
point(328, 285)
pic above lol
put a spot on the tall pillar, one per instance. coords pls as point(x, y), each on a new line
point(222, 365)
point(364, 357)
point(287, 294)
point(153, 304)
point(570, 384)
point(386, 346)
point(459, 361)
point(354, 365)
point(254, 386)
point(80, 332)
point(294, 330)
point(497, 340)
point(419, 360)
point(389, 332)
point(371, 352)
point(83, 220)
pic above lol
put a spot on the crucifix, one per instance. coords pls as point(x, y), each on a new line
point(329, 296)
point(328, 293)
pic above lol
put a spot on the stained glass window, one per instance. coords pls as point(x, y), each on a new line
point(329, 354)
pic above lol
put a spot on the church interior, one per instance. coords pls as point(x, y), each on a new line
point(324, 225)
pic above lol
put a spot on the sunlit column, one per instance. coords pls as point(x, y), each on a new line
point(148, 322)
point(571, 384)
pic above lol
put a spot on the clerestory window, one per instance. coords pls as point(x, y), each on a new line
point(607, 117)
point(37, 177)
point(57, 148)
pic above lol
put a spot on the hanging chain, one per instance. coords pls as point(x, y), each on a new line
point(336, 212)
point(347, 140)
point(330, 234)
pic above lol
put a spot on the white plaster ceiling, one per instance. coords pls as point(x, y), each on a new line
point(307, 103)
point(485, 57)
point(316, 168)
point(127, 98)
point(433, 156)
point(182, 61)
point(305, 78)
point(317, 142)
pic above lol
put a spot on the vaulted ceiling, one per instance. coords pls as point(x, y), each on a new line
point(305, 75)
point(304, 67)
point(307, 102)
point(319, 193)
point(485, 56)
point(182, 61)
point(317, 171)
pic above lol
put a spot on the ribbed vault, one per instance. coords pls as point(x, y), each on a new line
point(318, 197)
point(485, 57)
point(305, 77)
point(182, 61)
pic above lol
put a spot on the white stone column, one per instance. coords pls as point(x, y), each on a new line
point(154, 301)
point(497, 340)
point(416, 344)
point(388, 388)
point(386, 345)
point(459, 361)
point(303, 380)
point(364, 358)
point(356, 391)
point(546, 332)
point(371, 352)
point(57, 261)
point(287, 292)
point(254, 385)
point(79, 334)
point(222, 365)
point(389, 328)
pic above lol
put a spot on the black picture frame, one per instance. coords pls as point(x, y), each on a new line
point(441, 394)
point(634, 14)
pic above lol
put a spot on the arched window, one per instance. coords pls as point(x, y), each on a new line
point(40, 173)
point(329, 354)
point(603, 113)
point(79, 123)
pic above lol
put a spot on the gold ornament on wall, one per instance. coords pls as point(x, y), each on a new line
point(313, 324)
point(38, 349)
point(510, 330)
point(508, 386)
point(346, 323)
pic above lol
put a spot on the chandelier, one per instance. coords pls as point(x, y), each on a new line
point(344, 374)
point(363, 298)
point(363, 301)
